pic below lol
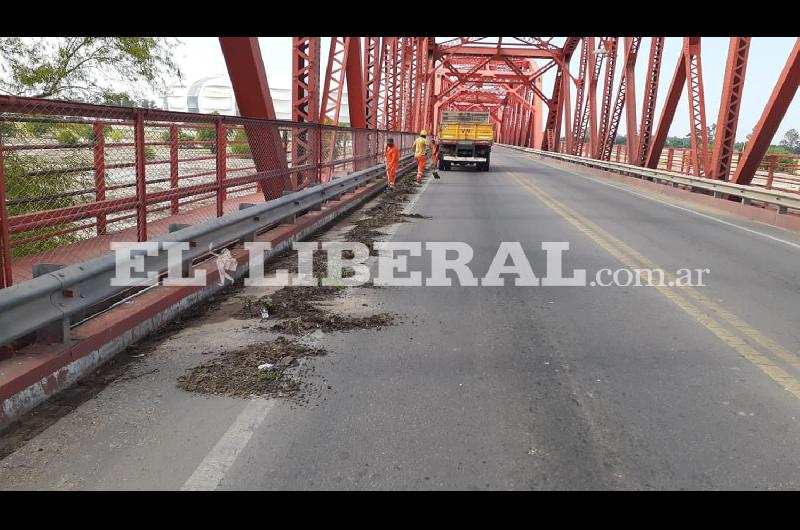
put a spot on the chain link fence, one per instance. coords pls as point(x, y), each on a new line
point(75, 177)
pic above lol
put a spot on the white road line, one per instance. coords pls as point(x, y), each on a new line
point(215, 465)
point(390, 232)
point(413, 202)
point(711, 217)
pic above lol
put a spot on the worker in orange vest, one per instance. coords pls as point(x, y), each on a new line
point(420, 147)
point(392, 161)
point(435, 157)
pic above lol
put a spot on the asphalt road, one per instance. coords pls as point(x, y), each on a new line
point(492, 387)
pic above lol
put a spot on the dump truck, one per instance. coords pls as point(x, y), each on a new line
point(465, 138)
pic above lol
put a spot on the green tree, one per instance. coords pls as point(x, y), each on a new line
point(240, 148)
point(208, 134)
point(711, 132)
point(33, 183)
point(83, 68)
point(784, 164)
point(791, 141)
point(677, 141)
point(750, 135)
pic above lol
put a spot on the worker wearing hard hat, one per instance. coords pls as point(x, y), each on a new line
point(392, 161)
point(420, 147)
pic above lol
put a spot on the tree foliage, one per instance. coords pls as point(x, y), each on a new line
point(85, 68)
point(791, 141)
point(711, 132)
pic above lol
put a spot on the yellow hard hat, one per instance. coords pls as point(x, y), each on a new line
point(423, 132)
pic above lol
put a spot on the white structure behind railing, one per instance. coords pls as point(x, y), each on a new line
point(215, 94)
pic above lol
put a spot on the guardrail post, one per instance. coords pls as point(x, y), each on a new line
point(173, 166)
point(6, 278)
point(56, 331)
point(289, 219)
point(100, 173)
point(251, 236)
point(222, 168)
point(186, 265)
point(141, 185)
point(773, 160)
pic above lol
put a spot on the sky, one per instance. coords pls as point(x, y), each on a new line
point(201, 57)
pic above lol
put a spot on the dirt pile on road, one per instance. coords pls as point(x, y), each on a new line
point(298, 313)
point(236, 373)
point(388, 211)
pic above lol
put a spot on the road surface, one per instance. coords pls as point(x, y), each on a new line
point(481, 388)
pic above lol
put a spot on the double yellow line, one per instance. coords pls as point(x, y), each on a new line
point(690, 300)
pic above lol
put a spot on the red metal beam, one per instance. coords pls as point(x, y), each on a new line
point(249, 81)
point(667, 113)
point(580, 86)
point(306, 53)
point(459, 82)
point(305, 79)
point(565, 96)
point(529, 81)
point(420, 62)
point(626, 98)
point(649, 100)
point(372, 79)
point(356, 102)
point(430, 84)
point(392, 86)
point(355, 85)
point(770, 120)
point(504, 52)
point(333, 87)
point(605, 107)
point(632, 51)
point(332, 91)
point(591, 119)
point(697, 108)
point(553, 124)
point(729, 106)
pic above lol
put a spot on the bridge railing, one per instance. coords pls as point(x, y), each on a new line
point(46, 307)
point(748, 194)
point(780, 171)
point(74, 176)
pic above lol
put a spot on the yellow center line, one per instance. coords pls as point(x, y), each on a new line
point(633, 259)
point(745, 329)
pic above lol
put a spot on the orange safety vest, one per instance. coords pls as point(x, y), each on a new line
point(392, 156)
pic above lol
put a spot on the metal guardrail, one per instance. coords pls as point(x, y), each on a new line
point(784, 201)
point(52, 299)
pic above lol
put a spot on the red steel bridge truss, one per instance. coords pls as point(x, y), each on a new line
point(403, 83)
point(156, 166)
